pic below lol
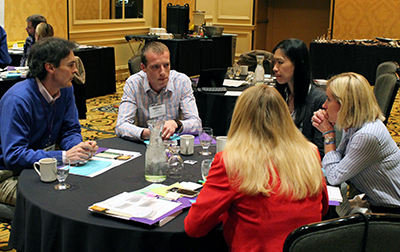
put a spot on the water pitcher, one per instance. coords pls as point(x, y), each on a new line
point(156, 162)
point(260, 70)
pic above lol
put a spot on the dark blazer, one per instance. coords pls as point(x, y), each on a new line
point(315, 98)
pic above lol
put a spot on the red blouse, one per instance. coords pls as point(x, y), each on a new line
point(251, 223)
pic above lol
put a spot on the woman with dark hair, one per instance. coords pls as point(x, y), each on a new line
point(294, 82)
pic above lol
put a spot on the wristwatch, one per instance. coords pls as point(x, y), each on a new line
point(329, 140)
point(179, 123)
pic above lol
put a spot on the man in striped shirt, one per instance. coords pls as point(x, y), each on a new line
point(157, 92)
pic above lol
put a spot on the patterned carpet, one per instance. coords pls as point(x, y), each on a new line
point(102, 115)
point(100, 123)
point(394, 120)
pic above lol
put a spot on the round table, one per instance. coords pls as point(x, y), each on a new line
point(49, 220)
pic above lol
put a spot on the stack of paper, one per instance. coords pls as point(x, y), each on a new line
point(147, 205)
point(335, 196)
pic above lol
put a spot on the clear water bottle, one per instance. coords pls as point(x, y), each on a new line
point(259, 72)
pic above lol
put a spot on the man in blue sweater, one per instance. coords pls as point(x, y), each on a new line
point(38, 116)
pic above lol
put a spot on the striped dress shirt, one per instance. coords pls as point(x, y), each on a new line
point(370, 159)
point(138, 97)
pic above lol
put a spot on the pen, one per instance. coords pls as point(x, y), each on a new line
point(201, 182)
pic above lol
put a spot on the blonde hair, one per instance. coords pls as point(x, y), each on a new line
point(357, 101)
point(44, 30)
point(265, 150)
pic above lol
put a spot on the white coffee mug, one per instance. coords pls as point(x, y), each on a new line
point(221, 141)
point(187, 145)
point(47, 167)
point(244, 70)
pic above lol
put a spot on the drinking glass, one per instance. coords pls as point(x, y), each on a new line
point(175, 163)
point(205, 137)
point(230, 72)
point(63, 165)
point(205, 168)
point(168, 144)
point(238, 71)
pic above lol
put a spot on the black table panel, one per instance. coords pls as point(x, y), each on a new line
point(191, 55)
point(49, 220)
point(100, 70)
point(328, 59)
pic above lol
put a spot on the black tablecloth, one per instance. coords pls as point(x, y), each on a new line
point(6, 84)
point(100, 70)
point(329, 59)
point(99, 63)
point(216, 109)
point(50, 220)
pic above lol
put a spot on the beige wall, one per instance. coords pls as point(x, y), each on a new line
point(16, 13)
point(360, 19)
point(303, 19)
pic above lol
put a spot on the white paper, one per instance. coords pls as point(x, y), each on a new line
point(233, 93)
point(334, 193)
point(80, 170)
point(138, 206)
point(233, 83)
point(191, 185)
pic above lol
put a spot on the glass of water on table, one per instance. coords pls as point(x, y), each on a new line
point(62, 171)
point(205, 138)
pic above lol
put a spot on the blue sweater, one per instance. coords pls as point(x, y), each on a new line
point(25, 119)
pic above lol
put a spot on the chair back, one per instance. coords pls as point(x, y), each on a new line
point(250, 59)
point(385, 90)
point(371, 232)
point(387, 67)
point(134, 64)
point(80, 76)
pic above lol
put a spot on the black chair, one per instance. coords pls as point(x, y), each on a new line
point(370, 232)
point(387, 67)
point(79, 88)
point(385, 90)
point(134, 64)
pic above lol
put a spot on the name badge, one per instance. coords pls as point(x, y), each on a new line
point(50, 148)
point(157, 110)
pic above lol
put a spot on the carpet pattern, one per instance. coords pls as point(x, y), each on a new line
point(102, 115)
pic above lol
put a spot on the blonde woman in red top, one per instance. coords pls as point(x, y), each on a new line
point(267, 181)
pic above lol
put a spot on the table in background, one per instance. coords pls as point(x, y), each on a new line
point(328, 59)
point(216, 109)
point(49, 220)
point(99, 65)
point(7, 83)
point(79, 93)
point(191, 55)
